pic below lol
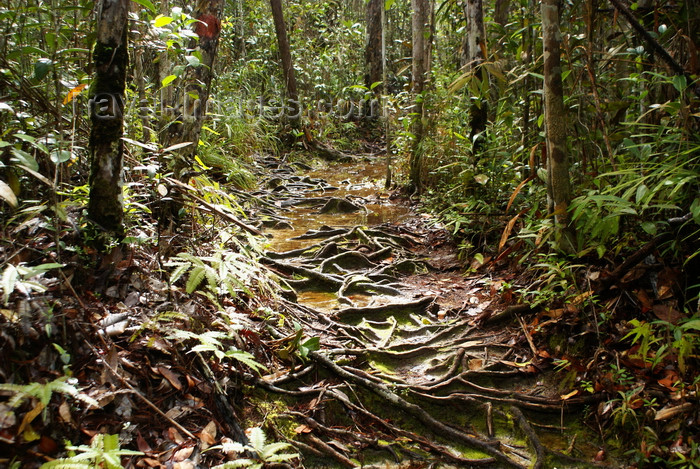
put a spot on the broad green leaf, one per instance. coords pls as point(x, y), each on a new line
point(60, 156)
point(147, 4)
point(649, 227)
point(167, 80)
point(161, 21)
point(193, 61)
point(693, 324)
point(25, 159)
point(680, 83)
point(41, 68)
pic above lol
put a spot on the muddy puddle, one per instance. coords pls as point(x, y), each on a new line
point(358, 181)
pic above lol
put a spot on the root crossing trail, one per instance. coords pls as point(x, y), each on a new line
point(398, 360)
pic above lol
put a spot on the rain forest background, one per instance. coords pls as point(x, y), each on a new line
point(591, 195)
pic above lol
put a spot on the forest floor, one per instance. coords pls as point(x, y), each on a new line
point(352, 333)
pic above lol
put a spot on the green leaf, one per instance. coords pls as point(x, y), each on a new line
point(60, 156)
point(25, 159)
point(9, 280)
point(388, 4)
point(147, 4)
point(313, 344)
point(193, 61)
point(161, 21)
point(693, 324)
point(8, 195)
point(680, 83)
point(41, 68)
point(167, 80)
point(649, 227)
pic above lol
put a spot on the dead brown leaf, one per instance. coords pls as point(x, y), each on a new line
point(172, 377)
point(302, 429)
point(667, 313)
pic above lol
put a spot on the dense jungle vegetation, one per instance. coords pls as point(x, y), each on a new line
point(545, 159)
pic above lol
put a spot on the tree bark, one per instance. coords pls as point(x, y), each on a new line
point(500, 14)
point(197, 80)
point(418, 72)
point(107, 97)
point(474, 56)
point(287, 66)
point(559, 186)
point(373, 48)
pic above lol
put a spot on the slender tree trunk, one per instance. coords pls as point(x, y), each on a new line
point(197, 80)
point(373, 49)
point(107, 95)
point(500, 14)
point(287, 65)
point(559, 186)
point(418, 71)
point(475, 54)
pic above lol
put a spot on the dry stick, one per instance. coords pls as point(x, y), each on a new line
point(532, 436)
point(189, 191)
point(415, 411)
point(528, 336)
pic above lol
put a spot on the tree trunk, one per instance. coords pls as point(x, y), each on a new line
point(197, 80)
point(373, 48)
point(107, 96)
point(559, 186)
point(418, 71)
point(293, 112)
point(500, 15)
point(474, 56)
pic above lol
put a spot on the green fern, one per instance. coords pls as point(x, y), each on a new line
point(211, 341)
point(266, 453)
point(43, 392)
point(103, 452)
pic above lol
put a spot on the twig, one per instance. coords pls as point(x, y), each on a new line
point(528, 336)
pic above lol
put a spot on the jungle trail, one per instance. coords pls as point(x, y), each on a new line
point(398, 284)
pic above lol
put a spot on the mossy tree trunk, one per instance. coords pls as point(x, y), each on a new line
point(105, 206)
point(293, 108)
point(559, 185)
point(197, 81)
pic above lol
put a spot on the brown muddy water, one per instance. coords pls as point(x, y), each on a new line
point(361, 182)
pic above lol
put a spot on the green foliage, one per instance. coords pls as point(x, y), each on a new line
point(211, 341)
point(23, 279)
point(264, 453)
point(104, 452)
point(43, 392)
